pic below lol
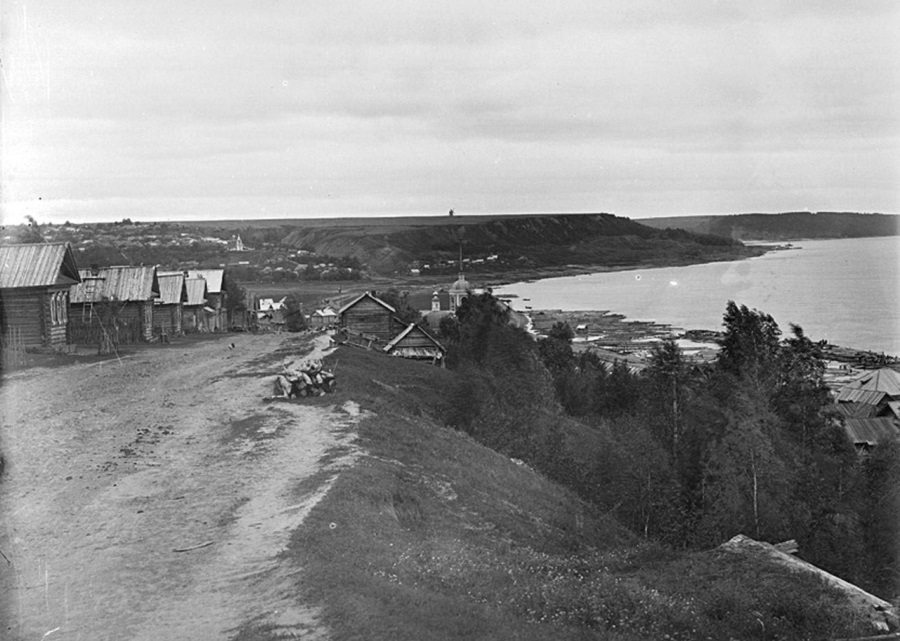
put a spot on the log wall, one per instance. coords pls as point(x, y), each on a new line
point(134, 319)
point(368, 317)
point(167, 318)
point(38, 314)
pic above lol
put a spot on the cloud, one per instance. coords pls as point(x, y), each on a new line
point(405, 106)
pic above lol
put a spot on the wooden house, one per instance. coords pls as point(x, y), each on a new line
point(193, 310)
point(123, 294)
point(34, 293)
point(368, 318)
point(168, 309)
point(873, 393)
point(216, 314)
point(323, 318)
point(414, 342)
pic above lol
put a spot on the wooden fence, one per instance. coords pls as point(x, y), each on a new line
point(122, 332)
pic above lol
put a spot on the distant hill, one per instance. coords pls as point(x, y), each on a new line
point(545, 240)
point(786, 226)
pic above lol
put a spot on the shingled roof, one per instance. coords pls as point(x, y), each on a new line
point(37, 265)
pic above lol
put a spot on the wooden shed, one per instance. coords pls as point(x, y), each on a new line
point(127, 292)
point(216, 314)
point(368, 317)
point(34, 293)
point(169, 307)
point(193, 316)
point(414, 342)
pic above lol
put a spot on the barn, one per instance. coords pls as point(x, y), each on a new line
point(217, 316)
point(125, 293)
point(414, 342)
point(368, 318)
point(168, 308)
point(34, 293)
point(193, 317)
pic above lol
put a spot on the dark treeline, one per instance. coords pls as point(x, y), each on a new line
point(686, 454)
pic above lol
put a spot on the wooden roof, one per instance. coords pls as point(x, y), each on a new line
point(171, 288)
point(413, 330)
point(196, 291)
point(37, 265)
point(884, 380)
point(116, 283)
point(871, 431)
point(363, 296)
point(214, 278)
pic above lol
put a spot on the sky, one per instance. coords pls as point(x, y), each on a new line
point(186, 109)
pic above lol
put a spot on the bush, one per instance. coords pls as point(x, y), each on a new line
point(294, 320)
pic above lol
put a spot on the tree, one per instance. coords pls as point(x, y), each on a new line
point(480, 316)
point(745, 482)
point(32, 232)
point(449, 329)
point(880, 498)
point(294, 319)
point(406, 313)
point(618, 392)
point(667, 373)
point(556, 353)
point(802, 397)
point(750, 345)
point(235, 300)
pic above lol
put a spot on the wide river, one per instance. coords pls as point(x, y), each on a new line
point(844, 291)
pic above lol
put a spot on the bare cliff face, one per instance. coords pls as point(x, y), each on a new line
point(542, 240)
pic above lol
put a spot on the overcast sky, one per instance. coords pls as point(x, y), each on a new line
point(181, 109)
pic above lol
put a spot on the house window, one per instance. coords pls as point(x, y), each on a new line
point(58, 313)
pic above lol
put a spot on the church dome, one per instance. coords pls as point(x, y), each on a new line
point(461, 286)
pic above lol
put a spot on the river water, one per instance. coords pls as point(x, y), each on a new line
point(843, 291)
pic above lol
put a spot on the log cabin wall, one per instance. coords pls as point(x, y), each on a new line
point(23, 309)
point(368, 317)
point(192, 318)
point(167, 318)
point(38, 313)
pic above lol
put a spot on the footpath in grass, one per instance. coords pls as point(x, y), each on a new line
point(430, 535)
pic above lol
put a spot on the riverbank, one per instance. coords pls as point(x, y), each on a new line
point(613, 337)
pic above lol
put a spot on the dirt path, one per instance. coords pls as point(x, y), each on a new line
point(115, 467)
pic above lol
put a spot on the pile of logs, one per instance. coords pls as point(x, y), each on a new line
point(306, 379)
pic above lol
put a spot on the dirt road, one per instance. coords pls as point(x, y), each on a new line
point(149, 498)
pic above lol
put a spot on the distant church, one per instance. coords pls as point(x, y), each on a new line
point(238, 244)
point(444, 304)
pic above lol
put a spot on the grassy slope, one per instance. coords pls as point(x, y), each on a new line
point(432, 536)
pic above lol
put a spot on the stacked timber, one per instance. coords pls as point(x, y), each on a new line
point(309, 378)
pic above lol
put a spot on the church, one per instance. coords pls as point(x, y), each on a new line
point(445, 303)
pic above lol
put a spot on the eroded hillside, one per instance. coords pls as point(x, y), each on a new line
point(513, 241)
